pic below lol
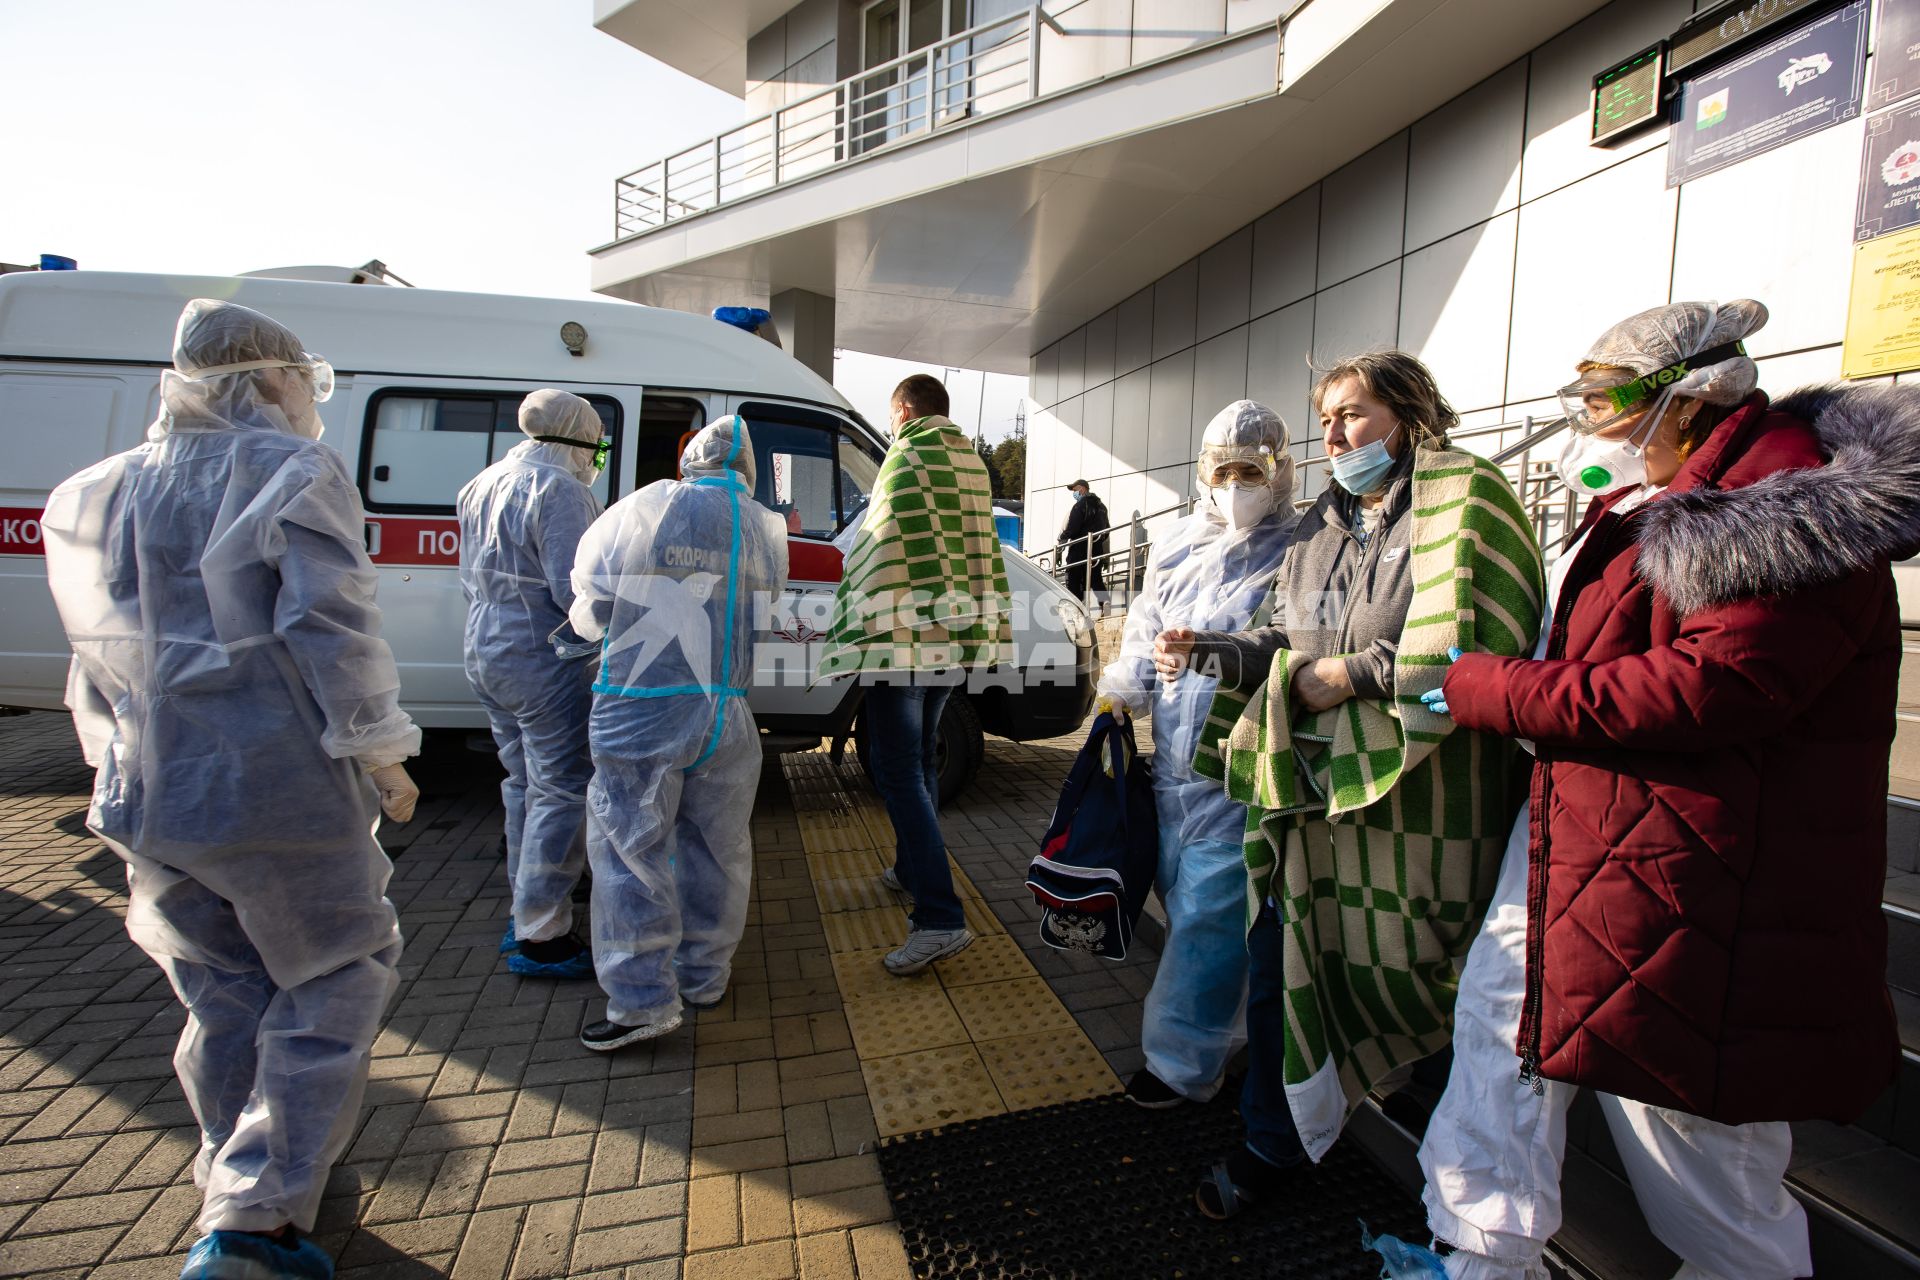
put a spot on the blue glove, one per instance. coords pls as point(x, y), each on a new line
point(1436, 699)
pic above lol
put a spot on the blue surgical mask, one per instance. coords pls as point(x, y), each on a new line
point(1361, 471)
point(1077, 495)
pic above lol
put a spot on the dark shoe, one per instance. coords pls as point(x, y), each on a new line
point(704, 1006)
point(1150, 1091)
point(247, 1255)
point(605, 1037)
point(1238, 1183)
point(563, 957)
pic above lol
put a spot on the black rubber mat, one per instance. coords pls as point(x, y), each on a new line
point(1103, 1190)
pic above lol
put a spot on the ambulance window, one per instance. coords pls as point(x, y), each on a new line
point(420, 447)
point(812, 473)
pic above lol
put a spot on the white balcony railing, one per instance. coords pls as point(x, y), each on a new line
point(986, 69)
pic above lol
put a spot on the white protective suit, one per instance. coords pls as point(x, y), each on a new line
point(1203, 575)
point(1492, 1154)
point(520, 522)
point(230, 684)
point(674, 578)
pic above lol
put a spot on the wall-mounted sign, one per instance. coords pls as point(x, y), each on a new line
point(1627, 96)
point(1798, 84)
point(1726, 25)
point(1896, 53)
point(1883, 314)
point(1889, 173)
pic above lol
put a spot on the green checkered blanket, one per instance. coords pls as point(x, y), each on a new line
point(924, 587)
point(1375, 826)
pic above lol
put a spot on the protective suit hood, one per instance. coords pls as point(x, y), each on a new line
point(269, 396)
point(561, 416)
point(723, 445)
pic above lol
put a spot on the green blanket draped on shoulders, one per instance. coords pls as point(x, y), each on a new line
point(924, 586)
point(1377, 827)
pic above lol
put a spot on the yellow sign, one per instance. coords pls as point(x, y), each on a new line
point(1883, 317)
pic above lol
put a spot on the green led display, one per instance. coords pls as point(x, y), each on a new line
point(1628, 95)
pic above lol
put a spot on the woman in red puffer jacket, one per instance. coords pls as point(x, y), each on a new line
point(1688, 920)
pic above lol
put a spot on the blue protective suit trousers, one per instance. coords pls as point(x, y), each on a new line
point(543, 747)
point(1195, 1014)
point(275, 1075)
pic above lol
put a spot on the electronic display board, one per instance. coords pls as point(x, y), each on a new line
point(1629, 95)
point(1723, 26)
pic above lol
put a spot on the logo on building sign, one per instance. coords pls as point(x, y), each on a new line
point(1804, 71)
point(1903, 166)
point(1713, 109)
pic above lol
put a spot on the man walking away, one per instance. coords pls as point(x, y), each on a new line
point(923, 600)
point(1085, 534)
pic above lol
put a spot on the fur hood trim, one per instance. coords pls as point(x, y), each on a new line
point(1797, 529)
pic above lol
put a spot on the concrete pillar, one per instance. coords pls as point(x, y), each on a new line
point(805, 322)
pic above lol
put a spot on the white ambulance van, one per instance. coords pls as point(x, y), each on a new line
point(428, 387)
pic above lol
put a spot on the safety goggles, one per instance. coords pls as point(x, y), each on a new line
point(601, 447)
point(1220, 463)
point(319, 372)
point(1608, 397)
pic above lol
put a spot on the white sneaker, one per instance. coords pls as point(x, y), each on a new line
point(891, 878)
point(923, 947)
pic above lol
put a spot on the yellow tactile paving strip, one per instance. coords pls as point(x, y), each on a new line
point(981, 1034)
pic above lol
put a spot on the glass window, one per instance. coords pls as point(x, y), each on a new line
point(812, 470)
point(420, 447)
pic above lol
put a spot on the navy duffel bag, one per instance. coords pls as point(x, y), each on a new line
point(1097, 861)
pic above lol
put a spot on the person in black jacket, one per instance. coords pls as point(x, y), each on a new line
point(1085, 534)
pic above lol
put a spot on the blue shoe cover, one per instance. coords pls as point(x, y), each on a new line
point(1403, 1261)
point(580, 966)
point(508, 943)
point(237, 1255)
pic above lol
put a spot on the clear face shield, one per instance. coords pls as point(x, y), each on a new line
point(1609, 398)
point(1220, 464)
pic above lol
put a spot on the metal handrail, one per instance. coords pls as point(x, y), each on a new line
point(977, 72)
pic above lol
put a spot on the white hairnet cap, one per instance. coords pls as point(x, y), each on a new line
point(1248, 425)
point(212, 333)
point(722, 445)
point(1667, 335)
point(549, 412)
point(1246, 422)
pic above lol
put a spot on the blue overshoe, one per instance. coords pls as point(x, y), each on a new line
point(240, 1255)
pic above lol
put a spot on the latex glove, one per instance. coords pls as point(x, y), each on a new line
point(1171, 649)
point(1436, 699)
point(1112, 706)
point(398, 795)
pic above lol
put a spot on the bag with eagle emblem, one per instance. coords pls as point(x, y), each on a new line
point(1097, 860)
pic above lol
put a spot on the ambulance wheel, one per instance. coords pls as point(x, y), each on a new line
point(958, 753)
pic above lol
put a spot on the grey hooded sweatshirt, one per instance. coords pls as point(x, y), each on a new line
point(1341, 595)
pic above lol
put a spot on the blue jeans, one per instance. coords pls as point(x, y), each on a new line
point(1263, 1096)
point(903, 724)
point(1192, 1022)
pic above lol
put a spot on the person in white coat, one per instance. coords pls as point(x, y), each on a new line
point(671, 581)
point(231, 687)
point(520, 524)
point(1213, 570)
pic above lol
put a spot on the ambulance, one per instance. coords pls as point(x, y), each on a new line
point(428, 385)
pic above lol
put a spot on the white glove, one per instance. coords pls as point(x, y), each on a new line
point(1108, 703)
point(398, 795)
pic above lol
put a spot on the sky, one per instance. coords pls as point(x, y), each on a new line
point(468, 144)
